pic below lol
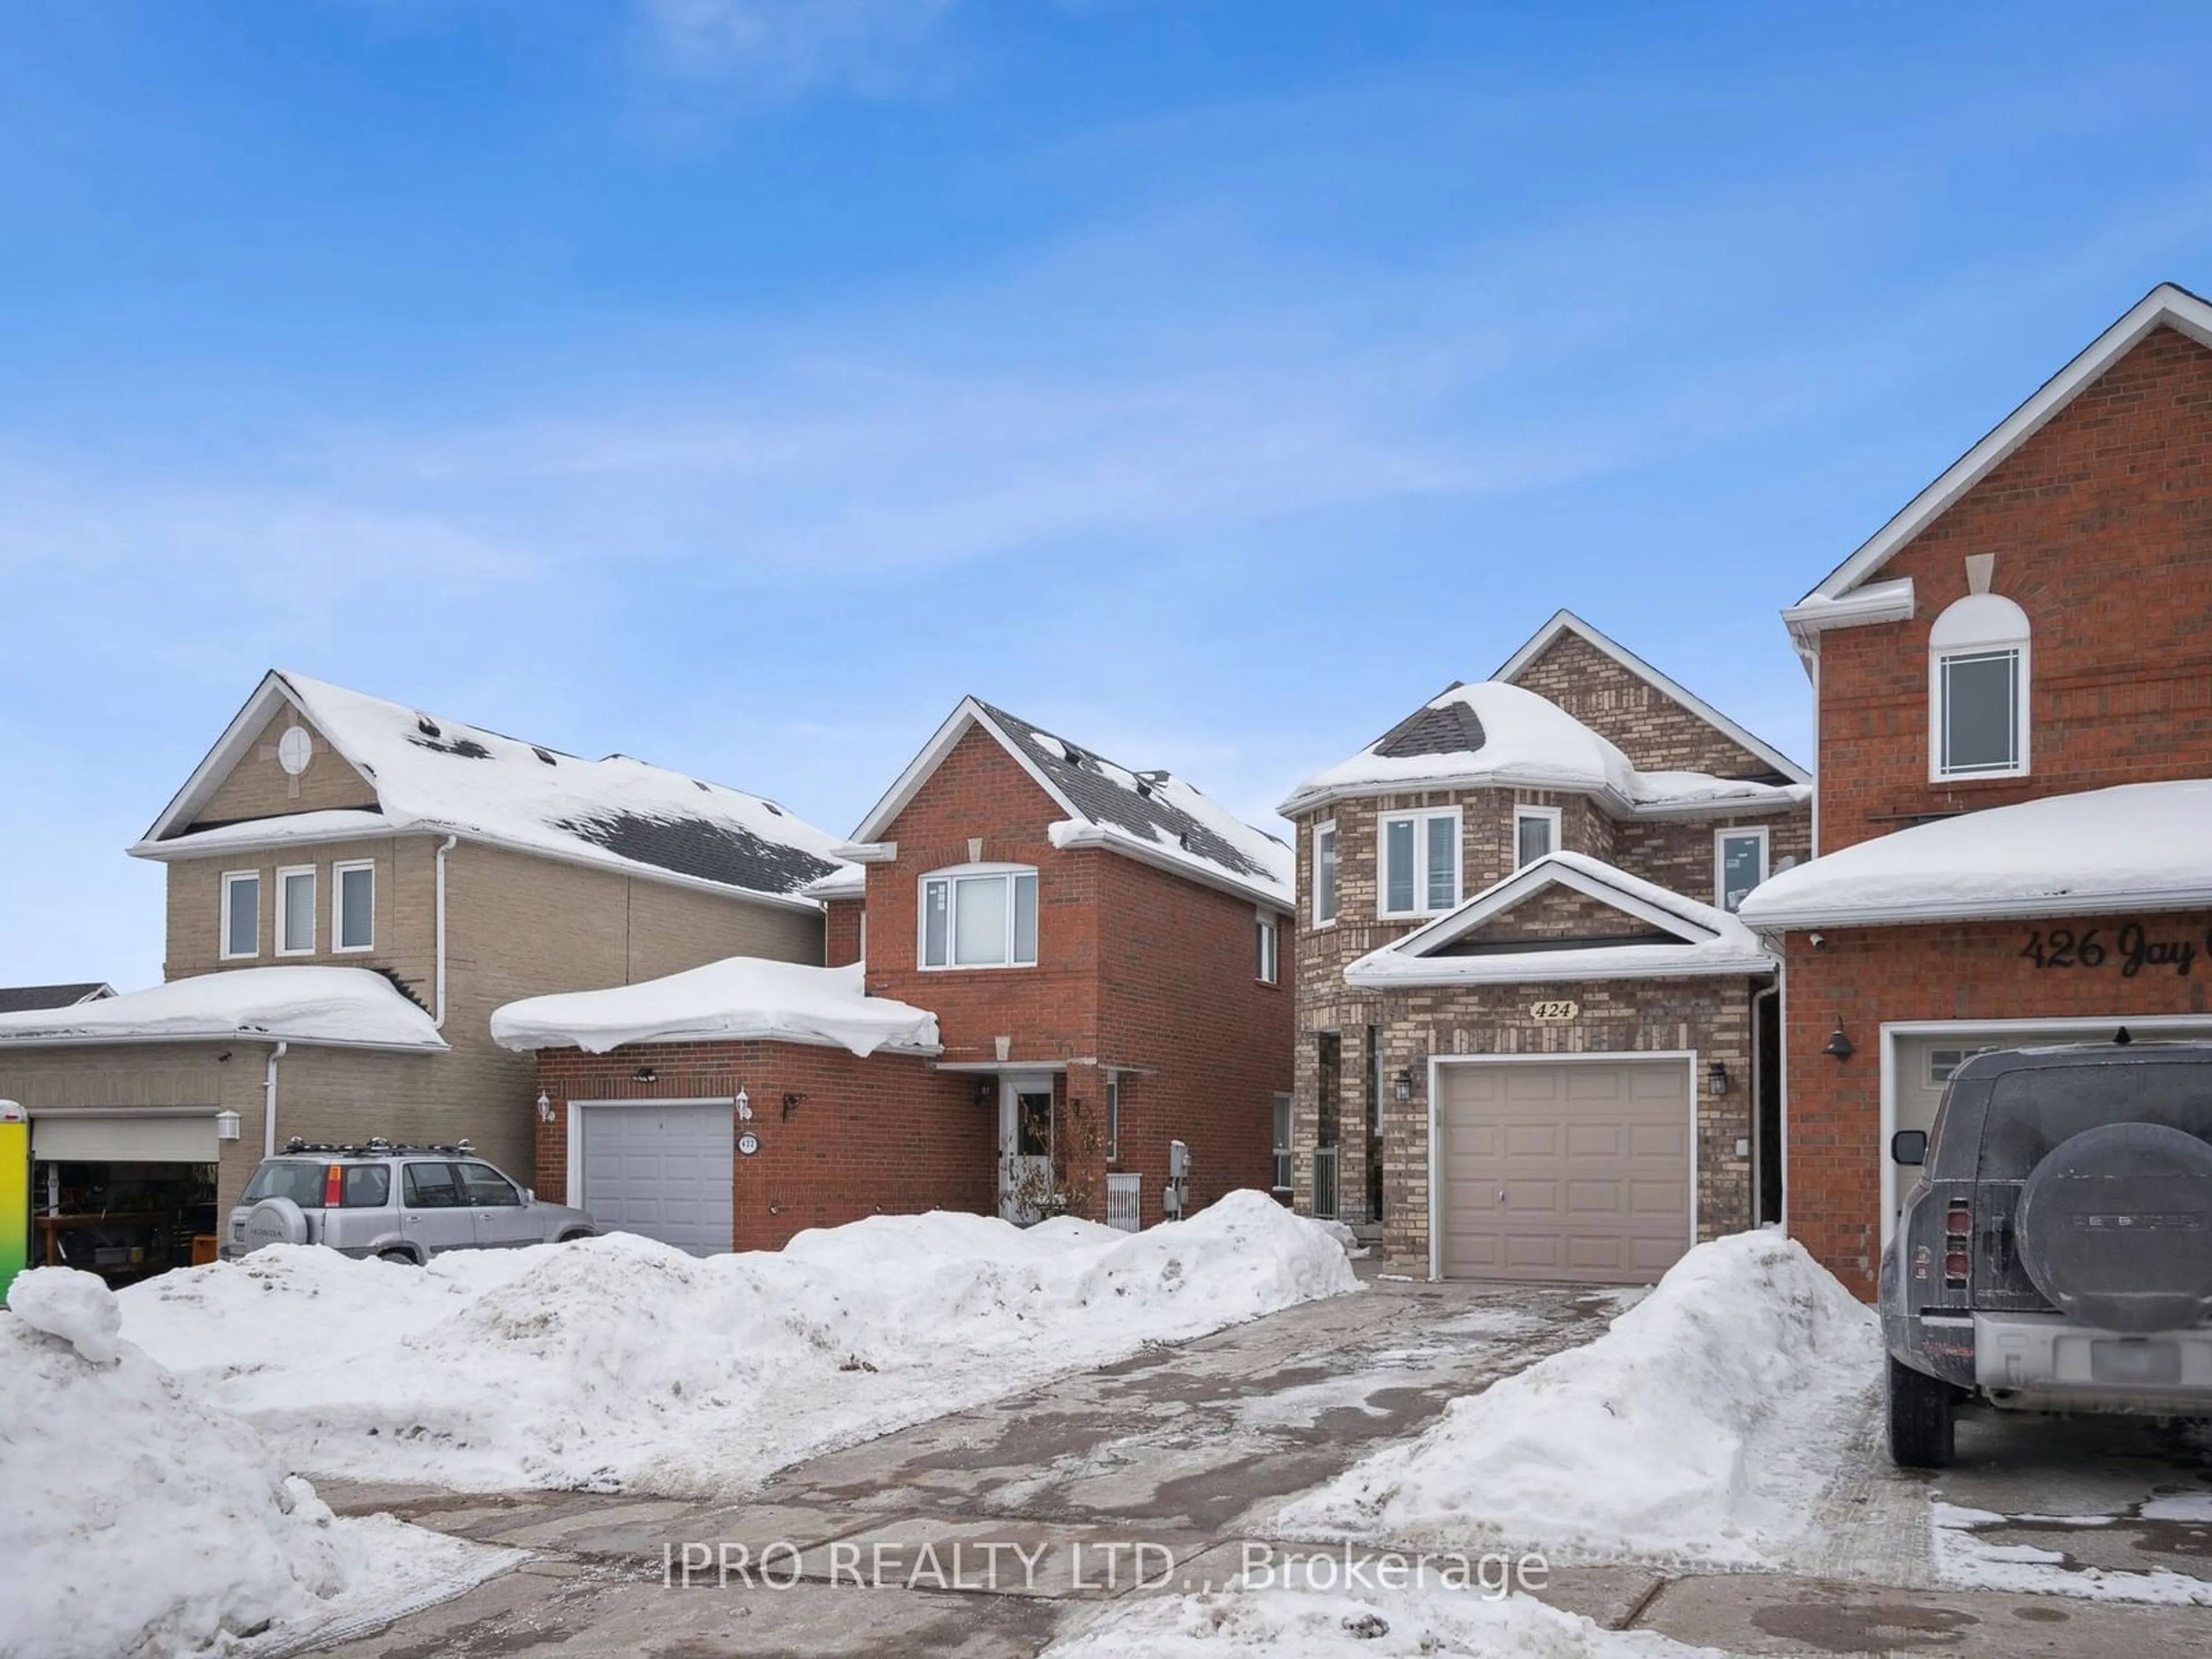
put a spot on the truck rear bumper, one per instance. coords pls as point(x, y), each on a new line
point(2043, 1362)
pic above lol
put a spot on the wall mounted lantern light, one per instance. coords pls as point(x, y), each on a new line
point(1840, 1046)
point(1402, 1090)
point(226, 1126)
point(745, 1103)
point(987, 1090)
point(644, 1074)
point(1716, 1077)
point(544, 1107)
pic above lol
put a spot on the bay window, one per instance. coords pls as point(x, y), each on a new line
point(1420, 858)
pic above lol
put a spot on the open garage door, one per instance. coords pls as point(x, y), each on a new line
point(1578, 1172)
point(664, 1172)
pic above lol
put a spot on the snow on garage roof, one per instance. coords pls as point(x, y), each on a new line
point(335, 1007)
point(740, 999)
point(438, 775)
point(1152, 816)
point(2134, 846)
point(1494, 732)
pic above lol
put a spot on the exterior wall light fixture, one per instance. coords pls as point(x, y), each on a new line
point(544, 1107)
point(1716, 1077)
point(1402, 1090)
point(1840, 1046)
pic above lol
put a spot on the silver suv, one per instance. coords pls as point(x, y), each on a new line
point(402, 1203)
point(2056, 1252)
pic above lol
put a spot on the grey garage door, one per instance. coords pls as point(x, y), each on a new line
point(1575, 1171)
point(660, 1171)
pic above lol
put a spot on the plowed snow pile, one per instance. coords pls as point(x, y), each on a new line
point(139, 1523)
point(623, 1363)
point(1702, 1427)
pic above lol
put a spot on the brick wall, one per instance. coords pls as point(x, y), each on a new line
point(258, 787)
point(842, 932)
point(2101, 524)
point(1657, 733)
point(887, 1135)
point(1864, 976)
point(1678, 853)
point(1557, 913)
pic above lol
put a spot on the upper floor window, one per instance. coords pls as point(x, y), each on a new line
point(1739, 864)
point(241, 913)
point(353, 907)
point(1270, 934)
point(1535, 834)
point(1324, 874)
point(1977, 684)
point(979, 916)
point(1420, 861)
point(295, 912)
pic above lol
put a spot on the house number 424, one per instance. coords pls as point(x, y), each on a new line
point(2131, 949)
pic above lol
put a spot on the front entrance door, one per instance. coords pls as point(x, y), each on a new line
point(1024, 1147)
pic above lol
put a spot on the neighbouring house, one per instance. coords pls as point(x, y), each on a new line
point(2013, 685)
point(1534, 1041)
point(354, 886)
point(19, 998)
point(1046, 968)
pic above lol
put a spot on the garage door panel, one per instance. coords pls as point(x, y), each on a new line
point(1594, 1158)
point(664, 1172)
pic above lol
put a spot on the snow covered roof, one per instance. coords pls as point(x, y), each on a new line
point(2165, 305)
point(1565, 622)
point(1683, 937)
point(15, 998)
point(438, 775)
point(2134, 846)
point(335, 1007)
point(741, 998)
point(1494, 732)
point(1152, 816)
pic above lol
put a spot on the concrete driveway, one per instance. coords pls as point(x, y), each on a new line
point(982, 1533)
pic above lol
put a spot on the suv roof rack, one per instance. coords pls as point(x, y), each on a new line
point(378, 1147)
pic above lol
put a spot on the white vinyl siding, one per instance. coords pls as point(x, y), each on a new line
point(1420, 862)
point(353, 907)
point(982, 918)
point(242, 914)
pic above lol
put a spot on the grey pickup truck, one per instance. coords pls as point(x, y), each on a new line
point(2056, 1252)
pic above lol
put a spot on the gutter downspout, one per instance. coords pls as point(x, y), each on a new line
point(438, 1019)
point(269, 1100)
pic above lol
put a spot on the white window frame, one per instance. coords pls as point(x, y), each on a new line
point(1721, 839)
point(1113, 1118)
point(230, 879)
point(339, 873)
point(959, 872)
point(285, 874)
point(1268, 931)
point(1978, 625)
point(1550, 814)
point(1419, 818)
point(1335, 874)
point(1284, 1115)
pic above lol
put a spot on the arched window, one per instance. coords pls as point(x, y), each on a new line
point(1977, 682)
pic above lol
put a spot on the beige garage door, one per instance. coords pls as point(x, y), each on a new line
point(1569, 1170)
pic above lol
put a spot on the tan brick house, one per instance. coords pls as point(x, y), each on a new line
point(2013, 685)
point(354, 886)
point(1083, 963)
point(1534, 1041)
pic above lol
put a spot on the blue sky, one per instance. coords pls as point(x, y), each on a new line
point(735, 383)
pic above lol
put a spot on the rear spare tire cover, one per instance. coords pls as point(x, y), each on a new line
point(275, 1221)
point(2115, 1227)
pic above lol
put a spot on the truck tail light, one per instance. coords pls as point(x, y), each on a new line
point(1958, 1253)
point(333, 1186)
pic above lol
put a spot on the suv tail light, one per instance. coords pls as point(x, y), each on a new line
point(1958, 1250)
point(333, 1186)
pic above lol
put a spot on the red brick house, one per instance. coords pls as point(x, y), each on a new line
point(1046, 970)
point(2013, 823)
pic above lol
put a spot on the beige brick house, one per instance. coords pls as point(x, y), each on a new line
point(1534, 1041)
point(354, 886)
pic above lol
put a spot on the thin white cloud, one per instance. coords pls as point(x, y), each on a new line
point(874, 48)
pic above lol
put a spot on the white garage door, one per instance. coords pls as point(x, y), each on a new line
point(663, 1171)
point(1574, 1171)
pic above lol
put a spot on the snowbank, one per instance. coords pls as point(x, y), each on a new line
point(1700, 1427)
point(1299, 1623)
point(623, 1363)
point(342, 1006)
point(139, 1523)
point(1530, 742)
point(741, 998)
point(2055, 856)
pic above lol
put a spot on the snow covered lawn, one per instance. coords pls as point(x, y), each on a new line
point(1701, 1427)
point(620, 1363)
point(1297, 1624)
point(139, 1523)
